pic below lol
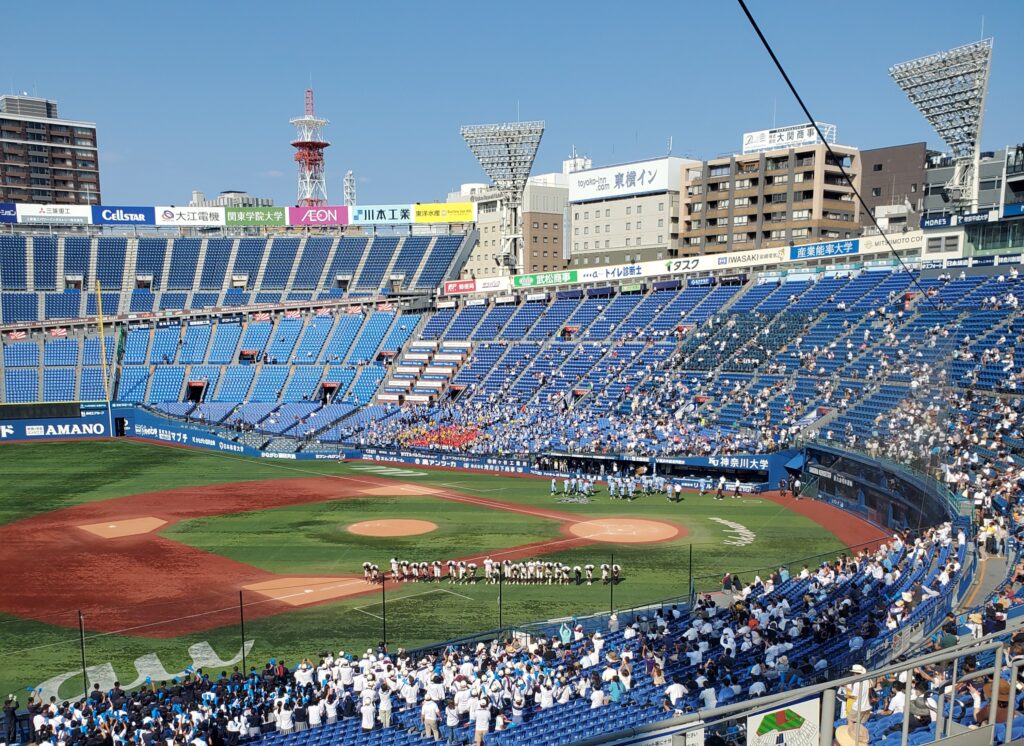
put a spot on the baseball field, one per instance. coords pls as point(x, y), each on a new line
point(162, 558)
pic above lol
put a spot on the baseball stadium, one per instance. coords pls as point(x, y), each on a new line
point(310, 475)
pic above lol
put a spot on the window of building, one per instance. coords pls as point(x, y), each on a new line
point(607, 243)
point(740, 220)
point(639, 209)
point(627, 242)
point(801, 232)
point(661, 239)
point(876, 191)
point(576, 246)
point(913, 188)
point(576, 231)
point(608, 228)
point(629, 226)
point(628, 209)
point(586, 245)
point(744, 183)
point(638, 223)
point(719, 170)
point(554, 226)
point(576, 216)
point(586, 230)
point(876, 166)
point(661, 207)
point(661, 222)
point(535, 255)
point(535, 239)
point(545, 239)
point(801, 214)
point(697, 207)
point(545, 255)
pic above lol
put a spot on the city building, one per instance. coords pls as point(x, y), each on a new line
point(769, 198)
point(543, 213)
point(43, 158)
point(893, 177)
point(625, 213)
point(938, 172)
point(229, 198)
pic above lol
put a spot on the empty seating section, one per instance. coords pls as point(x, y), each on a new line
point(203, 300)
point(13, 261)
point(365, 385)
point(284, 339)
point(92, 351)
point(247, 259)
point(465, 322)
point(494, 321)
point(369, 341)
point(235, 297)
point(21, 385)
point(438, 322)
point(400, 332)
point(132, 383)
point(164, 348)
point(194, 343)
point(21, 355)
point(347, 256)
point(312, 341)
point(524, 318)
point(142, 301)
point(409, 258)
point(279, 262)
point(225, 342)
point(66, 305)
point(58, 384)
point(336, 349)
point(264, 298)
point(613, 315)
point(378, 258)
point(303, 383)
point(184, 260)
point(209, 374)
point(77, 251)
point(136, 345)
point(44, 262)
point(235, 385)
point(58, 352)
point(256, 336)
point(149, 260)
point(215, 264)
point(553, 318)
point(172, 301)
point(110, 253)
point(166, 384)
point(439, 261)
point(269, 383)
point(111, 303)
point(91, 386)
point(312, 262)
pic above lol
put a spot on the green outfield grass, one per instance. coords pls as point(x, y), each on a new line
point(311, 539)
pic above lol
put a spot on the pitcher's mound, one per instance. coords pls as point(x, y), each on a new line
point(625, 530)
point(123, 527)
point(392, 527)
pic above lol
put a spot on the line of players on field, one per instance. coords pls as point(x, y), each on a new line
point(530, 572)
point(628, 487)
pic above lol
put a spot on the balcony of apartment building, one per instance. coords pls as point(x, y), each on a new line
point(776, 165)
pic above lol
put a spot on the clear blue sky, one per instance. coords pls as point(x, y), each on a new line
point(197, 95)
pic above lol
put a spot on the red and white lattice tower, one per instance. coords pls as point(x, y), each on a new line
point(309, 154)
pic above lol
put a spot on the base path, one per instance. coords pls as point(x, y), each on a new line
point(848, 528)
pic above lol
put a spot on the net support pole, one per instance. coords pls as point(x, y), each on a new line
point(103, 343)
point(241, 628)
point(384, 610)
point(611, 587)
point(81, 641)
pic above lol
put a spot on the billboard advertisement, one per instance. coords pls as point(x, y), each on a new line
point(642, 177)
point(488, 285)
point(827, 249)
point(54, 429)
point(544, 279)
point(254, 216)
point(443, 212)
point(780, 138)
point(380, 214)
point(8, 212)
point(169, 215)
point(324, 215)
point(54, 214)
point(120, 215)
point(1009, 211)
point(900, 241)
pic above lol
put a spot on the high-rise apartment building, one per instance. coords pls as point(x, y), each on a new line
point(46, 159)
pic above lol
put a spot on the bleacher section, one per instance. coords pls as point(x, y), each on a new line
point(195, 273)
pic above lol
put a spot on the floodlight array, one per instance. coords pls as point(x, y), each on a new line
point(506, 153)
point(949, 89)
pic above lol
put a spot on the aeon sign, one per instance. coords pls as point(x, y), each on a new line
point(325, 215)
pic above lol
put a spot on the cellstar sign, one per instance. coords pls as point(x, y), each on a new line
point(660, 175)
point(780, 138)
point(59, 214)
point(380, 214)
point(108, 215)
point(443, 212)
point(254, 216)
point(325, 215)
point(189, 216)
point(8, 212)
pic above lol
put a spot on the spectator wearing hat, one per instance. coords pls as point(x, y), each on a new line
point(857, 698)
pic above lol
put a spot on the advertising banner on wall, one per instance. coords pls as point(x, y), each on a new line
point(443, 212)
point(779, 138)
point(827, 249)
point(1009, 211)
point(188, 217)
point(900, 241)
point(488, 285)
point(54, 214)
point(54, 429)
point(380, 214)
point(254, 216)
point(325, 215)
point(642, 177)
point(121, 215)
point(544, 279)
point(8, 212)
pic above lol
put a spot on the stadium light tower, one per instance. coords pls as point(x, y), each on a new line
point(949, 89)
point(506, 153)
point(309, 147)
